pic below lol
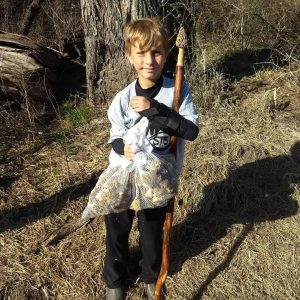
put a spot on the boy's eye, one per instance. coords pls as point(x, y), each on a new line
point(156, 52)
point(152, 53)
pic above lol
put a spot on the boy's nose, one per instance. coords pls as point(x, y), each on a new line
point(149, 59)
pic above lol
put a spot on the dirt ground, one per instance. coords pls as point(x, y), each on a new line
point(236, 228)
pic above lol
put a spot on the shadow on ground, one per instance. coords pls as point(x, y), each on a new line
point(12, 163)
point(253, 193)
point(19, 216)
point(246, 62)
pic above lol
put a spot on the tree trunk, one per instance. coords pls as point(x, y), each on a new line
point(106, 68)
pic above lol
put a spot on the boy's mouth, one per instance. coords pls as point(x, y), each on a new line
point(150, 69)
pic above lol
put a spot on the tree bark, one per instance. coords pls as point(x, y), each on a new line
point(106, 68)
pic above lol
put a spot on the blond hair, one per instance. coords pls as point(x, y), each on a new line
point(146, 33)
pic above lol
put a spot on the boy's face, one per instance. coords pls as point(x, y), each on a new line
point(148, 63)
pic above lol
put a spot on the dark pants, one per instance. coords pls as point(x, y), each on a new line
point(118, 226)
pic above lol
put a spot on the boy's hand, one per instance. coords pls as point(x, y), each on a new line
point(139, 103)
point(129, 152)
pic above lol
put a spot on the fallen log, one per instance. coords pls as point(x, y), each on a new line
point(29, 71)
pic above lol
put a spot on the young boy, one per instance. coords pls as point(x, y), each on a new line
point(151, 96)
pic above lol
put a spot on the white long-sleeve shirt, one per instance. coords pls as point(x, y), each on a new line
point(123, 117)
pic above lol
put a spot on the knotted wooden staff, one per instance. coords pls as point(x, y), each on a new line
point(181, 43)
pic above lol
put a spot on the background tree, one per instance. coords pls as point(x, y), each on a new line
point(106, 69)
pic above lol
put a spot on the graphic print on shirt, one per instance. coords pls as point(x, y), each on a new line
point(158, 139)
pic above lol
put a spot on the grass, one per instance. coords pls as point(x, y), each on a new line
point(236, 219)
point(236, 223)
point(73, 114)
point(76, 115)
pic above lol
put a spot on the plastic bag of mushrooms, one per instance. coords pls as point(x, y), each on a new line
point(148, 181)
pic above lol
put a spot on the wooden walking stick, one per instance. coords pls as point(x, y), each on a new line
point(181, 43)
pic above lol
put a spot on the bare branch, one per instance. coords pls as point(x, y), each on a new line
point(30, 15)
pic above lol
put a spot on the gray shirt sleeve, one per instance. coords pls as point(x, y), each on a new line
point(116, 115)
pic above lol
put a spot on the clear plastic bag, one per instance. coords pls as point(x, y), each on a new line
point(148, 181)
point(111, 193)
point(155, 180)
